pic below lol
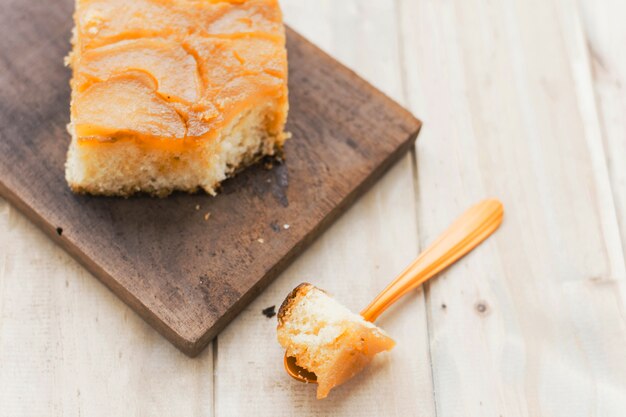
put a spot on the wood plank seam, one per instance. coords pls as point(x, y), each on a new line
point(214, 375)
point(581, 67)
point(406, 101)
point(605, 75)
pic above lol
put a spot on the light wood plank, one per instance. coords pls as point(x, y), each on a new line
point(532, 323)
point(354, 260)
point(576, 47)
point(606, 36)
point(69, 347)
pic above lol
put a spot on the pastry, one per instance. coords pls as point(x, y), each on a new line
point(173, 94)
point(326, 338)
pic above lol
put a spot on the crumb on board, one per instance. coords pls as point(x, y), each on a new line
point(286, 226)
point(260, 240)
point(269, 312)
point(59, 231)
point(206, 216)
point(197, 207)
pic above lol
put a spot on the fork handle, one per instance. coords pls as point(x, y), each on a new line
point(467, 232)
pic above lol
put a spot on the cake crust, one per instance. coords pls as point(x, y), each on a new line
point(300, 291)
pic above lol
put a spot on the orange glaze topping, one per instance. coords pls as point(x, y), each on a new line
point(172, 73)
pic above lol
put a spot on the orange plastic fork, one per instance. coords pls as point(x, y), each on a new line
point(467, 232)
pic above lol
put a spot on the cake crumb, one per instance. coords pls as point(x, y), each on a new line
point(59, 231)
point(269, 312)
point(197, 207)
point(286, 226)
point(260, 240)
point(206, 216)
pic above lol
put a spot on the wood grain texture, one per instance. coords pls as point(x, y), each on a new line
point(70, 348)
point(531, 324)
point(186, 276)
point(354, 260)
point(606, 36)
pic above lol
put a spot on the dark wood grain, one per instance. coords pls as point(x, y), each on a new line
point(186, 276)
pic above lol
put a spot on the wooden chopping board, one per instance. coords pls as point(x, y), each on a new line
point(185, 275)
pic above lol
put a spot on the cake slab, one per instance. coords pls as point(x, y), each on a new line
point(185, 272)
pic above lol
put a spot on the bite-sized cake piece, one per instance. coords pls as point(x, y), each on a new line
point(173, 94)
point(326, 338)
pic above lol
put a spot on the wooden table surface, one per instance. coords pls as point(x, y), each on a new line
point(523, 100)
